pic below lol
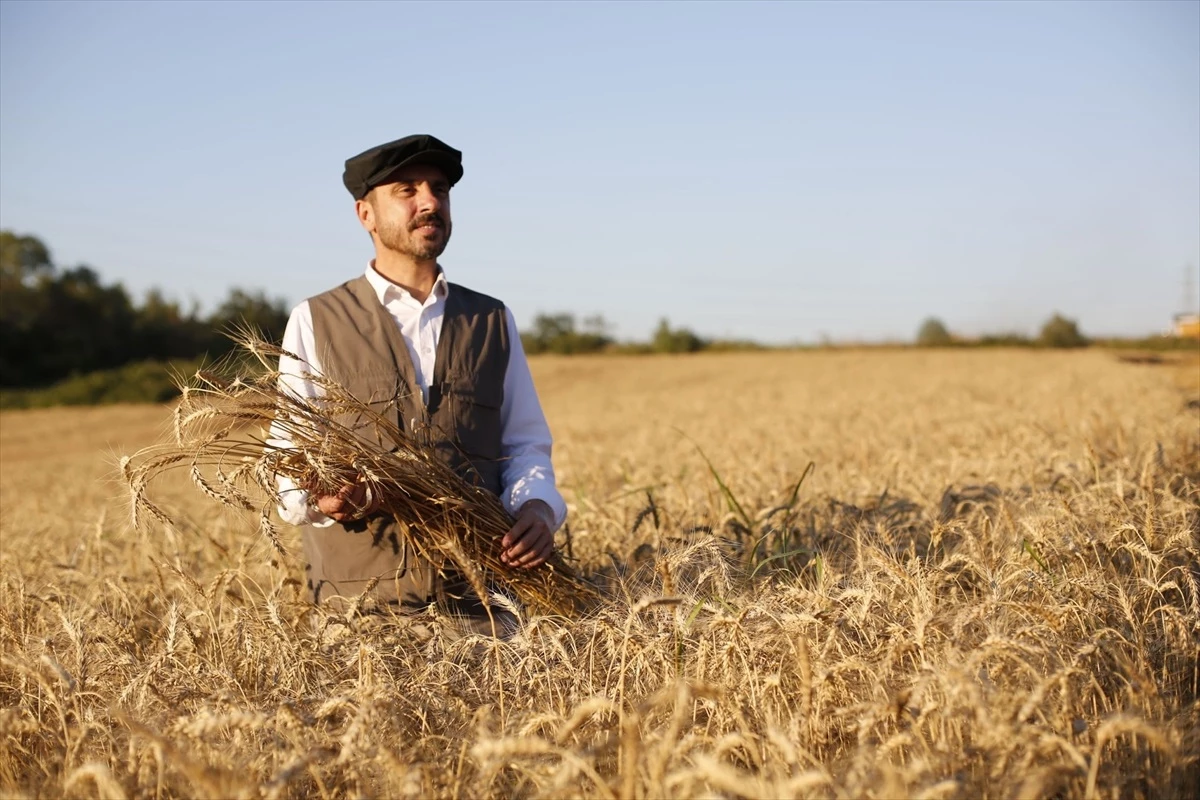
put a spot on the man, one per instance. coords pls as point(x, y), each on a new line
point(448, 361)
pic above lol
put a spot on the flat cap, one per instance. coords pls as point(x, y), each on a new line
point(373, 167)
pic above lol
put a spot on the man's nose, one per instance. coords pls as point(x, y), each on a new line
point(428, 199)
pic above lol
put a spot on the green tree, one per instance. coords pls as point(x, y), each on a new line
point(269, 316)
point(83, 325)
point(1061, 332)
point(56, 323)
point(933, 333)
point(552, 327)
point(678, 340)
point(556, 333)
point(22, 258)
point(164, 331)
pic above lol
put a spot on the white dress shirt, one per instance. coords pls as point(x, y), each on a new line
point(525, 442)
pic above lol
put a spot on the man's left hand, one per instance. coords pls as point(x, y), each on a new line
point(531, 540)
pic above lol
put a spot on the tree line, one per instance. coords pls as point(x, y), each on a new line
point(1058, 331)
point(68, 337)
point(561, 334)
point(58, 322)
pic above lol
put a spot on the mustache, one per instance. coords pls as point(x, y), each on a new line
point(427, 219)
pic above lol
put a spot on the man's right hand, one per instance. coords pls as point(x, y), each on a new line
point(348, 504)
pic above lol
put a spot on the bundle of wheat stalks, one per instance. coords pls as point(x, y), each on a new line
point(237, 428)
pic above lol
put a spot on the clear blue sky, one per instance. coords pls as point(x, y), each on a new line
point(779, 171)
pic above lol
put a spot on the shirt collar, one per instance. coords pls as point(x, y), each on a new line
point(382, 286)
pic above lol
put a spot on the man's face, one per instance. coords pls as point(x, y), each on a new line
point(411, 215)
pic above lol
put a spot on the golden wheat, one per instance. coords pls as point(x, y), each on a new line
point(987, 587)
point(330, 440)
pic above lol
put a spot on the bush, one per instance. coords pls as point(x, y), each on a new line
point(141, 382)
point(1061, 332)
point(733, 346)
point(1010, 339)
point(557, 333)
point(933, 333)
point(679, 340)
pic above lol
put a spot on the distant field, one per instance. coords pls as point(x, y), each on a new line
point(987, 586)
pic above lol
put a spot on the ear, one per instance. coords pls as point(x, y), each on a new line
point(365, 213)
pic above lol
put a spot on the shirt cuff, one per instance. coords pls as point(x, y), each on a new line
point(524, 491)
point(295, 509)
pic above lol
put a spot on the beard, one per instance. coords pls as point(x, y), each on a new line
point(405, 239)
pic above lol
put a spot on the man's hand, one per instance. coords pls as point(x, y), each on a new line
point(531, 540)
point(349, 503)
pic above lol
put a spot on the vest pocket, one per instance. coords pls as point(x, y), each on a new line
point(477, 422)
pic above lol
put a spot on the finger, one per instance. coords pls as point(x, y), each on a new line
point(527, 542)
point(530, 547)
point(515, 533)
point(532, 560)
point(537, 562)
point(338, 506)
point(329, 505)
point(356, 499)
point(510, 555)
point(371, 501)
point(539, 555)
point(547, 547)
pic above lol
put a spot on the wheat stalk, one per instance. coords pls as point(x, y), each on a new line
point(226, 434)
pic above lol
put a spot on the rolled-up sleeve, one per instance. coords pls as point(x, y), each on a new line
point(525, 441)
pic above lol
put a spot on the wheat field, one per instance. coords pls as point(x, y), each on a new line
point(986, 585)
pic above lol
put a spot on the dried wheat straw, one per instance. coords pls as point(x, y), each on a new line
point(218, 426)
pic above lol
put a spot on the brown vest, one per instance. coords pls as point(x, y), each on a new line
point(360, 347)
